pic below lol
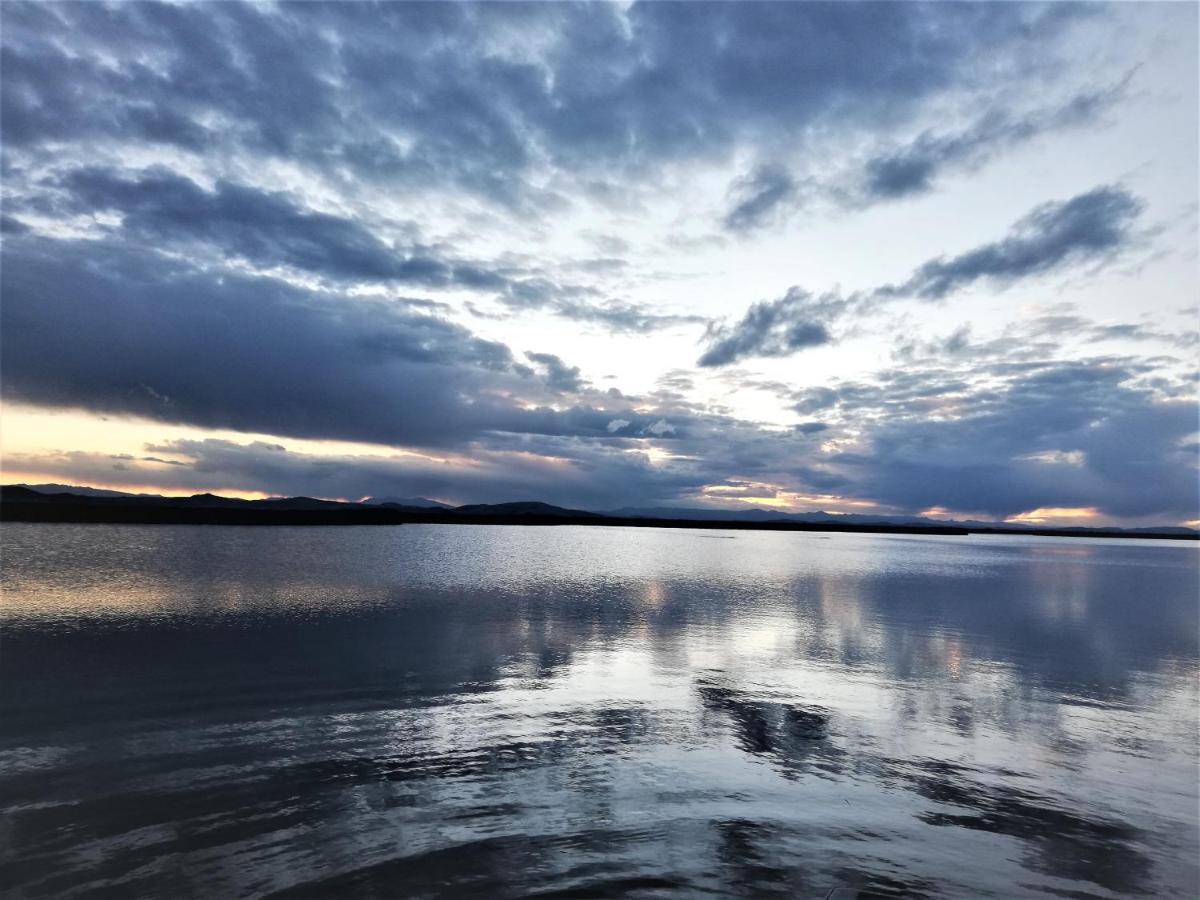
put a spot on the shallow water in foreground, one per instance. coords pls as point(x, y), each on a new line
point(499, 711)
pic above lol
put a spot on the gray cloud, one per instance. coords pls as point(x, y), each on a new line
point(267, 229)
point(774, 328)
point(559, 376)
point(631, 87)
point(989, 438)
point(769, 192)
point(112, 330)
point(159, 208)
point(1001, 438)
point(1091, 227)
point(618, 316)
point(757, 197)
point(913, 168)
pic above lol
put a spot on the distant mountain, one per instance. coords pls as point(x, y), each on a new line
point(300, 503)
point(205, 501)
point(68, 503)
point(410, 502)
point(82, 491)
point(523, 508)
point(708, 514)
point(195, 501)
point(697, 513)
point(19, 493)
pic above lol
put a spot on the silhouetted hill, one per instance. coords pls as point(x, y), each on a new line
point(301, 503)
point(20, 493)
point(765, 515)
point(523, 508)
point(85, 491)
point(407, 502)
point(25, 503)
point(973, 525)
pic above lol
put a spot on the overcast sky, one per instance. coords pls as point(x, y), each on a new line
point(886, 258)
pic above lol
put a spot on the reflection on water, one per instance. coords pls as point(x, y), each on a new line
point(494, 712)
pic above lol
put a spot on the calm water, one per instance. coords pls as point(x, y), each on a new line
point(485, 711)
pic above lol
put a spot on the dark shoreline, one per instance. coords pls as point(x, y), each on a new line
point(138, 514)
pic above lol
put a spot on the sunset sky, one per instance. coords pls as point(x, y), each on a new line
point(887, 258)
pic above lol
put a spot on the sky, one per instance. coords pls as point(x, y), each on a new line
point(877, 258)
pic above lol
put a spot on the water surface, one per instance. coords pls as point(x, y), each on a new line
point(443, 711)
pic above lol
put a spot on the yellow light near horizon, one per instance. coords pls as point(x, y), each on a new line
point(1055, 515)
point(133, 487)
point(774, 498)
point(30, 431)
point(772, 502)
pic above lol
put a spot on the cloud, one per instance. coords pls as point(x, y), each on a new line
point(102, 327)
point(265, 228)
point(811, 427)
point(895, 170)
point(619, 317)
point(999, 438)
point(270, 230)
point(493, 93)
point(795, 321)
point(981, 433)
point(1091, 227)
point(914, 167)
point(560, 377)
point(757, 196)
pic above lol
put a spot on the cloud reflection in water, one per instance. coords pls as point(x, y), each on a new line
point(427, 711)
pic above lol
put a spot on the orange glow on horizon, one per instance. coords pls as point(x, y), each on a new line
point(1056, 515)
point(766, 495)
point(138, 487)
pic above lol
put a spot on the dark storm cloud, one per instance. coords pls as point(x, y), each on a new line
point(1090, 228)
point(757, 196)
point(100, 327)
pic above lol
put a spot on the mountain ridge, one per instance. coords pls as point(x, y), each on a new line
point(84, 504)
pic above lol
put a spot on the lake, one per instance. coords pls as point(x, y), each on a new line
point(445, 711)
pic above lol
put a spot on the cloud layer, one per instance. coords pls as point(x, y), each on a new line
point(449, 232)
